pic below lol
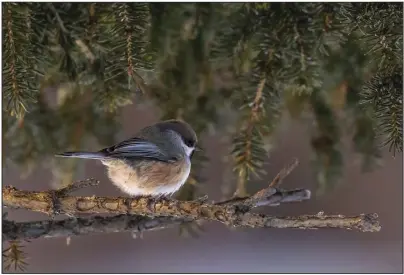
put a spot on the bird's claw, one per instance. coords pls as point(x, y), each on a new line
point(151, 204)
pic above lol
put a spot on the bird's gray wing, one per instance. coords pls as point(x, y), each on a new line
point(137, 148)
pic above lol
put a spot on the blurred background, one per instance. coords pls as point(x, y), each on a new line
point(261, 84)
point(219, 249)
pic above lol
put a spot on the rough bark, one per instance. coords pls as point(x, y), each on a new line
point(139, 224)
point(146, 213)
point(83, 226)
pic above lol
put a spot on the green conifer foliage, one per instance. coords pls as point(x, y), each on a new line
point(338, 65)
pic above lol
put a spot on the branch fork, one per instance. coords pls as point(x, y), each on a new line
point(135, 214)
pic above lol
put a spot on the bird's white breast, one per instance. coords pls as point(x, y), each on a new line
point(129, 181)
point(170, 189)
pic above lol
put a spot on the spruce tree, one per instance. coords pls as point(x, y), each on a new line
point(333, 65)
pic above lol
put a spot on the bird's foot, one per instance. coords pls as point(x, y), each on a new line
point(151, 204)
point(128, 204)
point(153, 200)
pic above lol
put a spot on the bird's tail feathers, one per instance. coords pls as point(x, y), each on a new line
point(83, 155)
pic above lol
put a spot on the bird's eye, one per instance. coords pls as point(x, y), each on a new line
point(189, 143)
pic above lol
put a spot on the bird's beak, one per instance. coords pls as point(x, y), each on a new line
point(198, 149)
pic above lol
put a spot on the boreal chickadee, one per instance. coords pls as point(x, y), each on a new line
point(156, 162)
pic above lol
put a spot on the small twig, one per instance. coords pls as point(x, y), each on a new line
point(56, 195)
point(78, 185)
point(263, 195)
point(282, 196)
point(272, 196)
point(140, 82)
point(85, 49)
point(202, 199)
point(277, 181)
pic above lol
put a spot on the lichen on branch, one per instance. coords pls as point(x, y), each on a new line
point(234, 212)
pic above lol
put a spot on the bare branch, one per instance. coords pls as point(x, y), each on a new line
point(119, 223)
point(282, 196)
point(58, 202)
point(146, 213)
point(272, 196)
point(78, 185)
point(231, 215)
point(83, 226)
point(139, 224)
point(45, 202)
point(283, 174)
point(140, 82)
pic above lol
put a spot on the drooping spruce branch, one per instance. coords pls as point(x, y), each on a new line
point(383, 95)
point(247, 150)
point(80, 43)
point(14, 256)
point(19, 87)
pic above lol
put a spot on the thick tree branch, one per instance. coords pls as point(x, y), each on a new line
point(234, 212)
point(56, 202)
point(83, 226)
point(138, 224)
point(119, 223)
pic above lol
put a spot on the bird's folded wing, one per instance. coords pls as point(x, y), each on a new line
point(138, 148)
